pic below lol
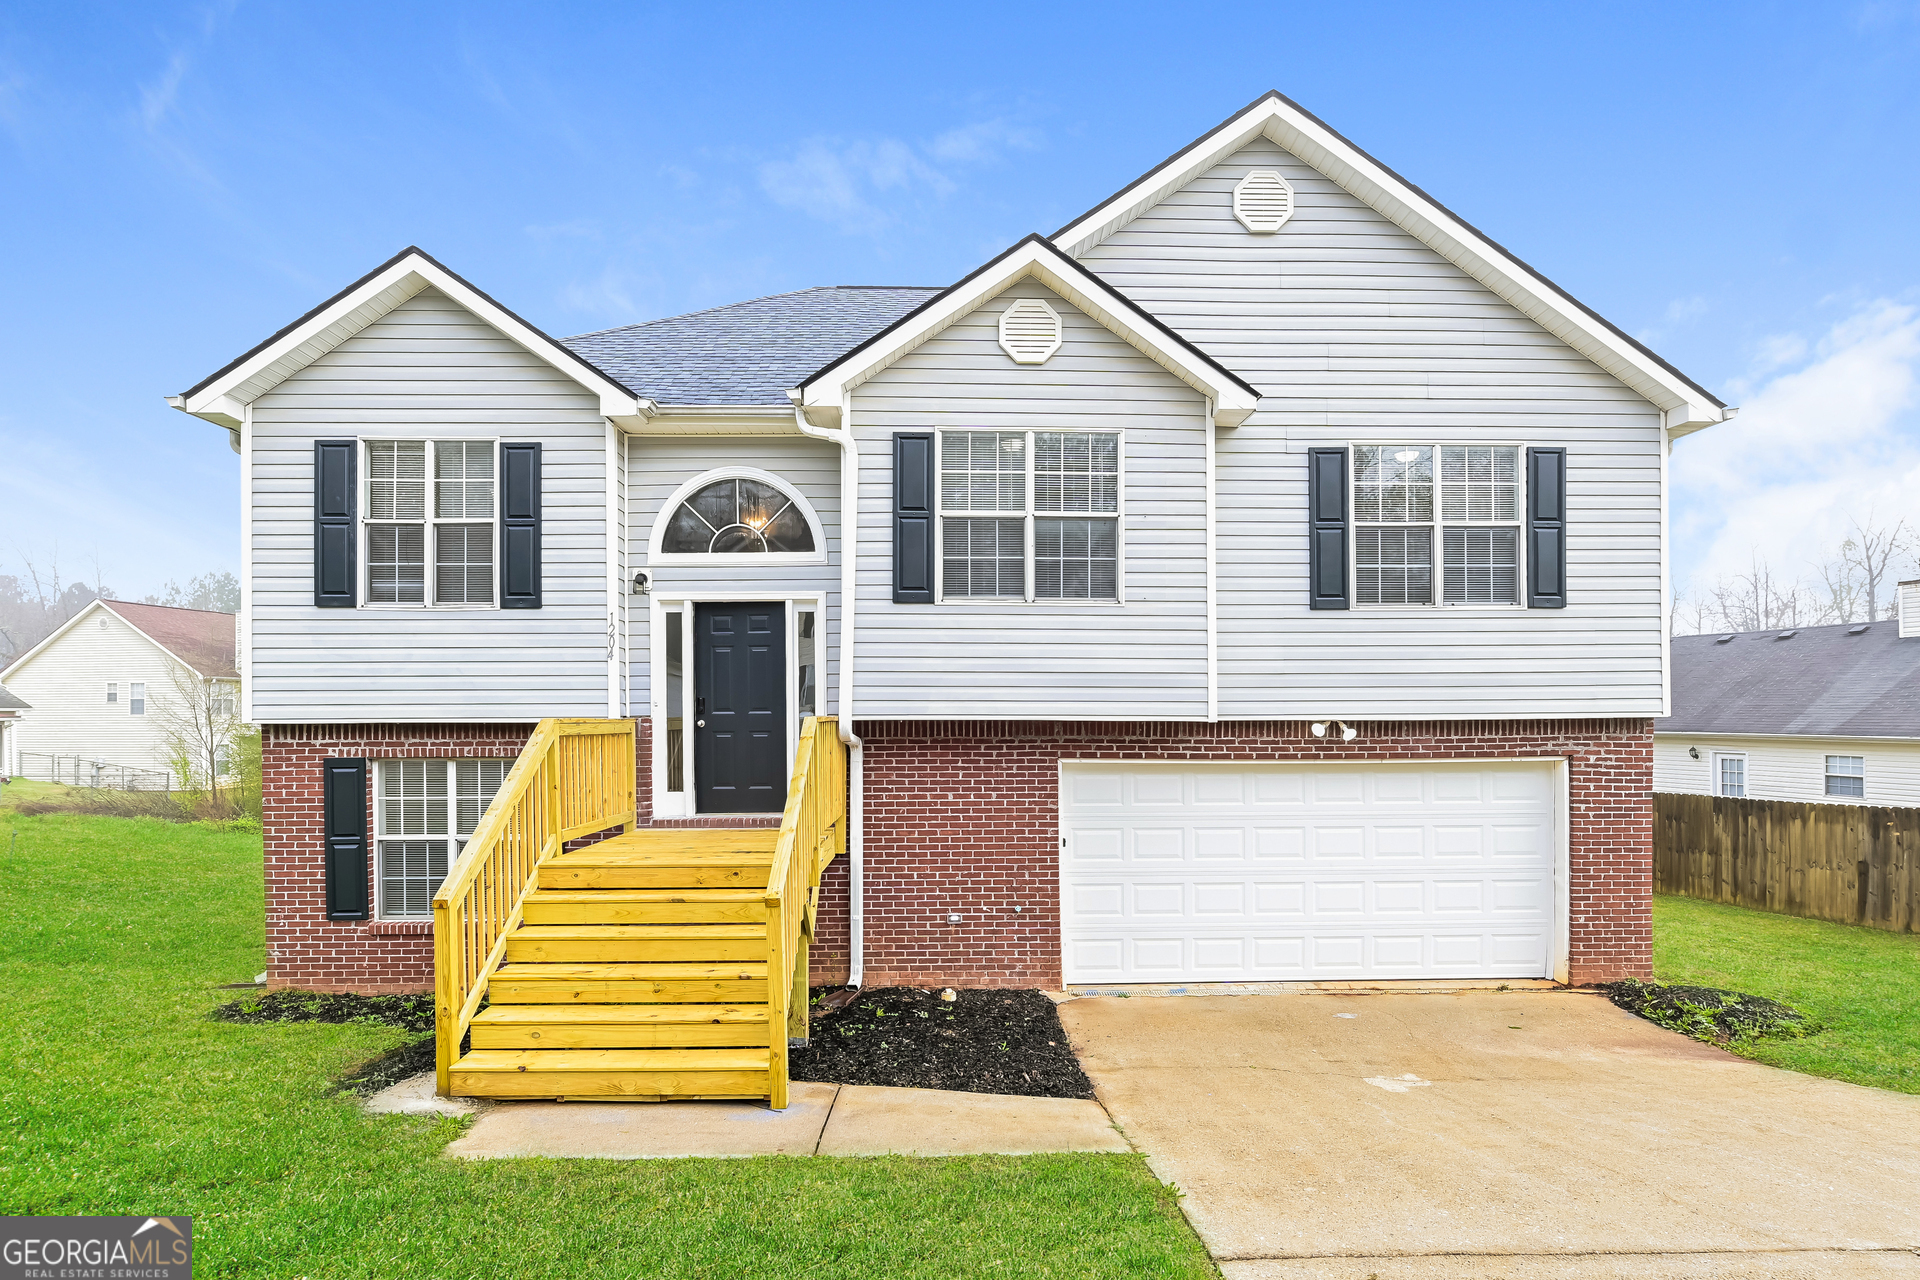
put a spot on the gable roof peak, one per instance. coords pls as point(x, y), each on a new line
point(1686, 406)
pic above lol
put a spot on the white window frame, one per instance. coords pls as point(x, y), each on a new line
point(1439, 526)
point(655, 556)
point(363, 588)
point(456, 843)
point(113, 693)
point(682, 803)
point(137, 698)
point(1027, 550)
point(1746, 774)
point(1828, 775)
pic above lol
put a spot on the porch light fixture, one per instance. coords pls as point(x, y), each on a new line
point(1347, 732)
point(640, 584)
point(1694, 752)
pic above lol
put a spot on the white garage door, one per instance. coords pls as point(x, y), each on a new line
point(1260, 873)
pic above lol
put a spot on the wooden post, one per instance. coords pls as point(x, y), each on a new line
point(797, 1006)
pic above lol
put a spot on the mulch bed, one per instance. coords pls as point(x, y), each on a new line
point(982, 1041)
point(409, 1013)
point(1708, 1013)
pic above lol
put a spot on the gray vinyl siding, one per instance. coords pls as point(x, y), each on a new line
point(657, 466)
point(1354, 330)
point(429, 370)
point(1144, 659)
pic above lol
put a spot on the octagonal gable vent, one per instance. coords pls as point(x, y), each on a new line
point(1263, 201)
point(1029, 331)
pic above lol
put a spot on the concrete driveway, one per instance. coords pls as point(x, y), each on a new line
point(1497, 1134)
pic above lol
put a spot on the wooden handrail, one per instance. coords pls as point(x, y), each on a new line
point(573, 778)
point(812, 833)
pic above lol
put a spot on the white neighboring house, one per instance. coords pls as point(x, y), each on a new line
point(97, 684)
point(11, 709)
point(1823, 714)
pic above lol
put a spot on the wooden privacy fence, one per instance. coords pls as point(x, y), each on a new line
point(1852, 864)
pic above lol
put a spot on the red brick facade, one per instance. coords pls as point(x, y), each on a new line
point(961, 818)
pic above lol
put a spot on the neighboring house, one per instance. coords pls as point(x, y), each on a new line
point(1823, 714)
point(102, 684)
point(1260, 578)
point(11, 709)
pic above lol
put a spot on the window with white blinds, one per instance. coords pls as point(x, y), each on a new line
point(1030, 515)
point(1445, 534)
point(430, 522)
point(423, 812)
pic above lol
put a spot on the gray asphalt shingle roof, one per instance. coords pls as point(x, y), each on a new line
point(1824, 681)
point(746, 352)
point(11, 702)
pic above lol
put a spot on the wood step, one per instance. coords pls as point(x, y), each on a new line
point(617, 873)
point(584, 1073)
point(616, 856)
point(739, 983)
point(645, 906)
point(681, 839)
point(600, 943)
point(618, 1026)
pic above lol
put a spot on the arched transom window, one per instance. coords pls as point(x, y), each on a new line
point(734, 516)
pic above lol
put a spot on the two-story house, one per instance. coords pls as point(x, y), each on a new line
point(1263, 577)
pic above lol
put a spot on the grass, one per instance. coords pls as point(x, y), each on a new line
point(1862, 984)
point(121, 1097)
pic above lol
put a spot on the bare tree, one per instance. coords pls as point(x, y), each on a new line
point(37, 602)
point(1756, 601)
point(197, 722)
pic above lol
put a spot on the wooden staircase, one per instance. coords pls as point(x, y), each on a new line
point(655, 964)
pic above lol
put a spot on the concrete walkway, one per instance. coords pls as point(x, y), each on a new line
point(1497, 1134)
point(821, 1119)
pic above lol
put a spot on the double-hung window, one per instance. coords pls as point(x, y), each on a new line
point(136, 699)
point(1030, 515)
point(430, 522)
point(1730, 775)
point(1847, 776)
point(1436, 524)
point(424, 810)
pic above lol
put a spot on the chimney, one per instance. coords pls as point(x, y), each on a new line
point(1909, 598)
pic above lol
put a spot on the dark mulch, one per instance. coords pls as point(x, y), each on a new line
point(983, 1041)
point(409, 1013)
point(1708, 1013)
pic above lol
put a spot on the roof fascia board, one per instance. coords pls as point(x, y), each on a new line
point(14, 667)
point(374, 295)
point(819, 397)
point(1685, 405)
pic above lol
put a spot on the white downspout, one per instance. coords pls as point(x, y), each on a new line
point(856, 790)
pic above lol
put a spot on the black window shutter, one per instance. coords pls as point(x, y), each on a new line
point(520, 526)
point(1327, 528)
point(344, 805)
point(334, 496)
point(913, 518)
point(1546, 528)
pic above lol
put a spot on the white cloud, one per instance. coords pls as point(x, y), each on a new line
point(1828, 433)
point(157, 99)
point(855, 184)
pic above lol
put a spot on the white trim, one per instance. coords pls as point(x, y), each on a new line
point(86, 611)
point(1213, 583)
point(1029, 548)
point(1438, 525)
point(1713, 774)
point(1035, 259)
point(1560, 932)
point(655, 556)
point(1685, 407)
point(429, 522)
point(243, 625)
point(1258, 225)
point(220, 400)
point(615, 534)
point(682, 803)
point(1666, 584)
point(1783, 737)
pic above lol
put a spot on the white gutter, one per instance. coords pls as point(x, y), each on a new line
point(856, 789)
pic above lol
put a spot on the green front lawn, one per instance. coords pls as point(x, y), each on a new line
point(120, 1097)
point(1863, 984)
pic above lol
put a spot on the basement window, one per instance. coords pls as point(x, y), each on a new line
point(423, 812)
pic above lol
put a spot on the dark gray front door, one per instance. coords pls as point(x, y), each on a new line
point(740, 707)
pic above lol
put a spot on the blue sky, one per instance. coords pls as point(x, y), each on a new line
point(1736, 184)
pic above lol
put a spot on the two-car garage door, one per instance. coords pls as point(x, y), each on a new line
point(1253, 873)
